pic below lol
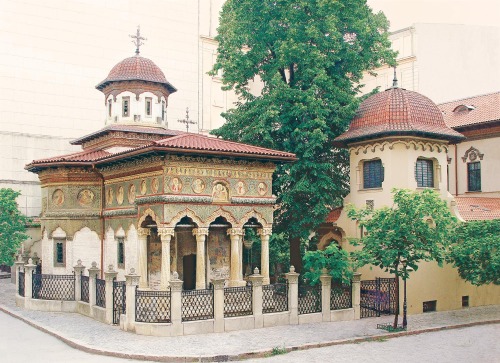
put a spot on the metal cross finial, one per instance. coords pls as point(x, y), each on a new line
point(395, 80)
point(137, 39)
point(187, 121)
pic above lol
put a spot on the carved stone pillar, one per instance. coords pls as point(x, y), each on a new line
point(235, 234)
point(356, 295)
point(78, 268)
point(166, 235)
point(293, 295)
point(201, 235)
point(142, 240)
point(265, 233)
point(132, 280)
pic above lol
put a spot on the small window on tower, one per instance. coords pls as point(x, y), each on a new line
point(373, 174)
point(126, 106)
point(121, 252)
point(109, 107)
point(424, 173)
point(163, 110)
point(149, 105)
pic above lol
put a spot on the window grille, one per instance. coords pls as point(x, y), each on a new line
point(424, 173)
point(121, 252)
point(373, 174)
point(125, 107)
point(149, 102)
point(474, 176)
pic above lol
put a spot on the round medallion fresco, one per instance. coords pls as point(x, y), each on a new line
point(85, 197)
point(155, 185)
point(131, 193)
point(110, 195)
point(241, 188)
point(198, 186)
point(58, 197)
point(119, 196)
point(175, 185)
point(143, 187)
point(262, 188)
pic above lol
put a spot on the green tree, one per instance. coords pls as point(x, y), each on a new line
point(416, 228)
point(12, 226)
point(310, 56)
point(475, 251)
point(335, 260)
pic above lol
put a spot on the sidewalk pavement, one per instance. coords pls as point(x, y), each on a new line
point(91, 336)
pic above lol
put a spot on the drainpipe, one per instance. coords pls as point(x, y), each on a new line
point(103, 201)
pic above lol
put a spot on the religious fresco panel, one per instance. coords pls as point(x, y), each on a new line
point(154, 260)
point(219, 253)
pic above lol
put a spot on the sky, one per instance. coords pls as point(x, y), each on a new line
point(404, 13)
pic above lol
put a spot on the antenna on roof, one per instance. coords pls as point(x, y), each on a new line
point(395, 80)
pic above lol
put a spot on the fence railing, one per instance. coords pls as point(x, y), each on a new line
point(84, 283)
point(197, 304)
point(340, 296)
point(274, 298)
point(309, 299)
point(238, 301)
point(53, 287)
point(20, 287)
point(100, 293)
point(152, 306)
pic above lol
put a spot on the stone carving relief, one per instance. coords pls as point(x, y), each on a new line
point(58, 197)
point(472, 154)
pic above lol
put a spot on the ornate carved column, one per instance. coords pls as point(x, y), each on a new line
point(265, 233)
point(201, 235)
point(166, 235)
point(235, 234)
point(142, 258)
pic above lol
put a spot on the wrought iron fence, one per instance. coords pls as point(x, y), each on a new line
point(197, 304)
point(100, 292)
point(340, 296)
point(20, 283)
point(378, 297)
point(119, 301)
point(84, 283)
point(274, 298)
point(53, 287)
point(309, 299)
point(238, 301)
point(152, 306)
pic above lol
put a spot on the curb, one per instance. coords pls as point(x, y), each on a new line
point(240, 356)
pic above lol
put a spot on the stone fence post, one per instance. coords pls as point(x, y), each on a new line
point(218, 284)
point(176, 307)
point(356, 295)
point(132, 281)
point(78, 268)
point(326, 287)
point(257, 297)
point(19, 265)
point(109, 277)
point(35, 259)
point(93, 273)
point(293, 295)
point(28, 282)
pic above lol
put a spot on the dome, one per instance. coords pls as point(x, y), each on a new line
point(397, 112)
point(136, 68)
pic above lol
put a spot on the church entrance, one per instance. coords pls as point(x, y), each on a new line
point(189, 268)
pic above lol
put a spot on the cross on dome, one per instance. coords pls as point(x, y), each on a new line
point(137, 39)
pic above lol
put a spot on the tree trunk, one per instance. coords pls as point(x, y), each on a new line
point(396, 315)
point(295, 257)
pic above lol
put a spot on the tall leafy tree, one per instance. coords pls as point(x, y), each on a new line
point(476, 251)
point(309, 56)
point(418, 227)
point(12, 226)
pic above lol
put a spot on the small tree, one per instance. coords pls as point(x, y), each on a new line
point(416, 228)
point(12, 226)
point(332, 258)
point(475, 251)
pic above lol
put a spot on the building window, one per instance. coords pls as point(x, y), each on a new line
point(149, 105)
point(163, 110)
point(465, 301)
point(474, 176)
point(121, 252)
point(373, 174)
point(126, 106)
point(429, 306)
point(59, 252)
point(424, 173)
point(109, 108)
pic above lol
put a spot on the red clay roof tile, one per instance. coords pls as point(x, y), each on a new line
point(478, 208)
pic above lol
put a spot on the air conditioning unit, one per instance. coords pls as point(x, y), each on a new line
point(137, 117)
point(159, 120)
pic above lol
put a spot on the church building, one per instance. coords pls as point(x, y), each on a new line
point(142, 196)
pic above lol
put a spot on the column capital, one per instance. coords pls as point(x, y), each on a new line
point(266, 231)
point(165, 232)
point(235, 232)
point(143, 232)
point(356, 277)
point(326, 279)
point(200, 231)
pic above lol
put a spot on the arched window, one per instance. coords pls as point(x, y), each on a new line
point(373, 174)
point(424, 173)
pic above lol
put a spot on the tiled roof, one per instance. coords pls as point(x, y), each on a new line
point(136, 68)
point(334, 215)
point(157, 130)
point(474, 110)
point(478, 208)
point(81, 156)
point(197, 142)
point(397, 111)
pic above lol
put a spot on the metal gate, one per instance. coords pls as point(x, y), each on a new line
point(378, 297)
point(118, 300)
